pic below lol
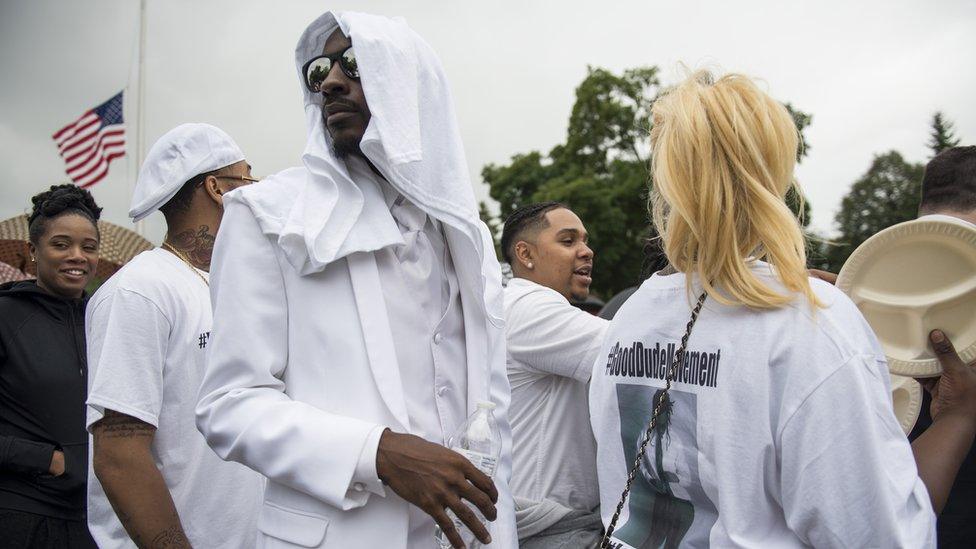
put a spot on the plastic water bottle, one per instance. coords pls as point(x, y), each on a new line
point(479, 440)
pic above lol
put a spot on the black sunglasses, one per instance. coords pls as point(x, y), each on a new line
point(318, 68)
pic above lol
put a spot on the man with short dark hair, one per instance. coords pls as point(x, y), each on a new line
point(552, 347)
point(153, 481)
point(537, 259)
point(949, 192)
point(949, 185)
point(357, 311)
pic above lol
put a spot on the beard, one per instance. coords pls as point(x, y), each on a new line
point(343, 148)
point(579, 296)
point(345, 143)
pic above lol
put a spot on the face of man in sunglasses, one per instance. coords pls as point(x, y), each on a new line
point(344, 111)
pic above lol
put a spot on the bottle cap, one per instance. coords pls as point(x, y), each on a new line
point(487, 405)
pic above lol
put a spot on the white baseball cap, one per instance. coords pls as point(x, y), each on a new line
point(183, 153)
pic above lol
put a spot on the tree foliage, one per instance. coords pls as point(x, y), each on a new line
point(601, 171)
point(886, 194)
point(942, 135)
point(493, 226)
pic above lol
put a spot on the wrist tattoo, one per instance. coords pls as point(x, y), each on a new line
point(170, 538)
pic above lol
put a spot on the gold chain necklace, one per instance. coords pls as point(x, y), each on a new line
point(184, 259)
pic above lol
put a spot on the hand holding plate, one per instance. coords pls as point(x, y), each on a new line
point(955, 389)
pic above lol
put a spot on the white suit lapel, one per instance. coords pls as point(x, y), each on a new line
point(468, 267)
point(377, 335)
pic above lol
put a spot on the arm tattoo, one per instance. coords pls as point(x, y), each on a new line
point(197, 244)
point(116, 425)
point(170, 538)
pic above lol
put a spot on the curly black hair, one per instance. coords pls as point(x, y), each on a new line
point(57, 201)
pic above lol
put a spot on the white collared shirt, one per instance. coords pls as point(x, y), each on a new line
point(428, 332)
point(427, 324)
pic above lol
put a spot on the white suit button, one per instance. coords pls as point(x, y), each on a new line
point(438, 338)
point(358, 486)
point(441, 391)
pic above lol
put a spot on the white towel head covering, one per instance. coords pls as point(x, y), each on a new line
point(181, 154)
point(412, 139)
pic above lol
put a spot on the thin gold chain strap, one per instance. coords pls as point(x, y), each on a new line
point(678, 360)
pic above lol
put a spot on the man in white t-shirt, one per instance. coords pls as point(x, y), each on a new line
point(153, 481)
point(551, 350)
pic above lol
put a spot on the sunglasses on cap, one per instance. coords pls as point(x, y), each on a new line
point(318, 68)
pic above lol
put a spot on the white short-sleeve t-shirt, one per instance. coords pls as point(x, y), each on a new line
point(148, 328)
point(779, 429)
point(551, 348)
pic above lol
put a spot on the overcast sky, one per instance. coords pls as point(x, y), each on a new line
point(871, 72)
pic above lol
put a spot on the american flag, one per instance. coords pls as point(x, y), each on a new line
point(88, 144)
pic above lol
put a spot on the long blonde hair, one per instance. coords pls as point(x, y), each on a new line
point(723, 158)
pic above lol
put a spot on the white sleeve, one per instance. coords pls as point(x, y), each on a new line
point(365, 473)
point(547, 334)
point(848, 475)
point(127, 338)
point(503, 530)
point(243, 411)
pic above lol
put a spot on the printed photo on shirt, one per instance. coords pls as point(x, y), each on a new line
point(666, 502)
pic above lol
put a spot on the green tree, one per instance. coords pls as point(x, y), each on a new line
point(601, 172)
point(886, 194)
point(942, 135)
point(802, 120)
point(494, 227)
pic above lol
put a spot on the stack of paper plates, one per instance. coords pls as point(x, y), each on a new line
point(906, 396)
point(910, 279)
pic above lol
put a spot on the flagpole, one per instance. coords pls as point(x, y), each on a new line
point(140, 104)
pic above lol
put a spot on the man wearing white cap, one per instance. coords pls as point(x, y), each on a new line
point(153, 482)
point(358, 310)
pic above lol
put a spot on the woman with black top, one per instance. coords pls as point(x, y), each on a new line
point(43, 378)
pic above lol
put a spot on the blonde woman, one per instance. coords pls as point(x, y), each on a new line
point(777, 430)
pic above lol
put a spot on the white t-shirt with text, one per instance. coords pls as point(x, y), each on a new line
point(779, 429)
point(148, 328)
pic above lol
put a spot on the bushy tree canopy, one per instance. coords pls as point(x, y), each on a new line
point(886, 194)
point(601, 171)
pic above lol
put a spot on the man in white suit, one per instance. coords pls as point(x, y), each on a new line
point(358, 310)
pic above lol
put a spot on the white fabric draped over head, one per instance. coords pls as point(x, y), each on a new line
point(412, 139)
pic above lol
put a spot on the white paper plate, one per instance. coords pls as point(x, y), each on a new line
point(910, 279)
point(906, 397)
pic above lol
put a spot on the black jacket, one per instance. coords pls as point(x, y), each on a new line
point(43, 383)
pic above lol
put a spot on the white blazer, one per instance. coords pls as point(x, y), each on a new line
point(302, 368)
